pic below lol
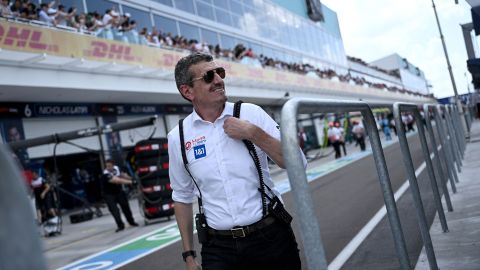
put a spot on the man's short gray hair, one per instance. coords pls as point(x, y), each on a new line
point(182, 69)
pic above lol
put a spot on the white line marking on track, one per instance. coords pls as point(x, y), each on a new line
point(356, 241)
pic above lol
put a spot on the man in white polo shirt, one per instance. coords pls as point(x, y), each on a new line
point(243, 231)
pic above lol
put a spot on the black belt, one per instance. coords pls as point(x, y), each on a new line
point(242, 231)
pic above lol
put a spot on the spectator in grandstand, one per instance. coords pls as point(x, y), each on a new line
point(81, 22)
point(125, 23)
point(109, 21)
point(29, 12)
point(97, 23)
point(239, 51)
point(205, 48)
point(44, 14)
point(217, 51)
point(169, 39)
point(195, 46)
point(153, 38)
point(64, 17)
point(143, 36)
point(17, 7)
point(5, 10)
point(249, 53)
point(113, 180)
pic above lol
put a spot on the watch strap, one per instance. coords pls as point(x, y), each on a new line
point(188, 253)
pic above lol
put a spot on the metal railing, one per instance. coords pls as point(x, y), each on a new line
point(446, 146)
point(398, 108)
point(452, 138)
point(309, 225)
point(448, 152)
point(437, 157)
point(456, 117)
point(20, 246)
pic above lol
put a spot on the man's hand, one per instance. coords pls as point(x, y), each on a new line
point(192, 264)
point(239, 129)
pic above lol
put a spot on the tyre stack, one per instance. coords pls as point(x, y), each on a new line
point(151, 160)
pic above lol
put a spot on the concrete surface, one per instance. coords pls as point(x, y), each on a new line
point(460, 247)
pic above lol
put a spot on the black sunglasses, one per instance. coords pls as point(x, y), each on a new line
point(209, 75)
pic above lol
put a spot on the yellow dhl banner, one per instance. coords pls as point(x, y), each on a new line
point(26, 38)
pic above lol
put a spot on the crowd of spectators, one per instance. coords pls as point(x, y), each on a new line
point(115, 26)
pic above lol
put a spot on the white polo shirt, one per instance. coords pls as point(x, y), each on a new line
point(222, 168)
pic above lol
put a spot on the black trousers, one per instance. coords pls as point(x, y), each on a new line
point(336, 147)
point(361, 142)
point(273, 247)
point(122, 200)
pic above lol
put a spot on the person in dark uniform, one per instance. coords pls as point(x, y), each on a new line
point(113, 194)
point(43, 197)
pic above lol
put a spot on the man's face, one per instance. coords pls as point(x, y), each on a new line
point(203, 93)
point(109, 166)
point(13, 134)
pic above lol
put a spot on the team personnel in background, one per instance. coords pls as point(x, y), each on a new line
point(334, 136)
point(359, 132)
point(113, 194)
point(242, 229)
point(43, 197)
point(342, 137)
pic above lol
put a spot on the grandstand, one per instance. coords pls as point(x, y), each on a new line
point(77, 64)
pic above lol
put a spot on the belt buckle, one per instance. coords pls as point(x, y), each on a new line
point(238, 232)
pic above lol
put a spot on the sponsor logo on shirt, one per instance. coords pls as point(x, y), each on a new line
point(195, 142)
point(199, 151)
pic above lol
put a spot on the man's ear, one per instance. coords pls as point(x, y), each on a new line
point(186, 91)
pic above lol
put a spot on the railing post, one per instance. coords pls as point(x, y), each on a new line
point(310, 233)
point(422, 220)
point(457, 129)
point(433, 142)
point(20, 247)
point(388, 195)
point(452, 139)
point(447, 152)
point(463, 132)
point(468, 120)
point(309, 226)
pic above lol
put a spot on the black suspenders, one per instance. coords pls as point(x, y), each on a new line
point(275, 206)
point(251, 151)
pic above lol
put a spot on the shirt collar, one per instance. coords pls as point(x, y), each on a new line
point(227, 111)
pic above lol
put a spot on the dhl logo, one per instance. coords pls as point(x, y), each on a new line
point(24, 38)
point(102, 49)
point(255, 73)
point(169, 59)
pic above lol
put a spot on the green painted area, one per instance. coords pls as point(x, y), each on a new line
point(153, 240)
point(328, 167)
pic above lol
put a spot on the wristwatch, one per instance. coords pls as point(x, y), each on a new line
point(189, 253)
